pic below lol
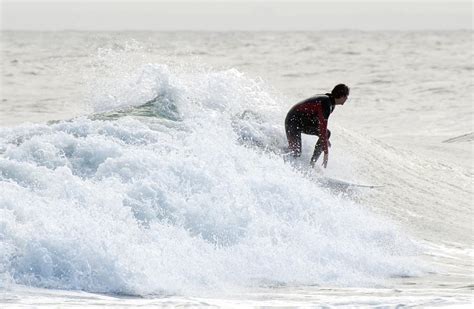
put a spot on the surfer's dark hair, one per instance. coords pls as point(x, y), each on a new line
point(340, 90)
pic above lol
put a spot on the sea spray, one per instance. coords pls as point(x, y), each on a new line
point(136, 200)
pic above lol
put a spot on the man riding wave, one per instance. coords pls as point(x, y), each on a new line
point(311, 117)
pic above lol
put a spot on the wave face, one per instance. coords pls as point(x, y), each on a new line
point(169, 188)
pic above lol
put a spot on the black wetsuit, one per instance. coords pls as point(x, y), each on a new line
point(310, 117)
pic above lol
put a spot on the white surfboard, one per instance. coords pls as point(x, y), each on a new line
point(342, 185)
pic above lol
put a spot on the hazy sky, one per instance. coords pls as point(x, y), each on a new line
point(235, 15)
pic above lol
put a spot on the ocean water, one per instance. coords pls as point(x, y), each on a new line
point(146, 168)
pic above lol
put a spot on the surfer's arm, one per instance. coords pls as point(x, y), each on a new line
point(323, 129)
point(323, 133)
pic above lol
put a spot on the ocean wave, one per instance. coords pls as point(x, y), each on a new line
point(171, 194)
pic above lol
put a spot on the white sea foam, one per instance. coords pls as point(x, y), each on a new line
point(165, 204)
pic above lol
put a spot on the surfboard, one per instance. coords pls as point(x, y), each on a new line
point(342, 185)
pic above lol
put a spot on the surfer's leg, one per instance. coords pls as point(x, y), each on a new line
point(294, 142)
point(318, 149)
point(293, 134)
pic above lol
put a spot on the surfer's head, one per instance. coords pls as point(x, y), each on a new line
point(340, 94)
point(339, 91)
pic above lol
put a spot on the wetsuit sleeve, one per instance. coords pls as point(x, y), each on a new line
point(323, 128)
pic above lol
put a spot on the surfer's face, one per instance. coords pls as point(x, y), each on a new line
point(345, 99)
point(341, 100)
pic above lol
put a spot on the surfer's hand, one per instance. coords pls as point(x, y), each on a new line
point(329, 144)
point(325, 160)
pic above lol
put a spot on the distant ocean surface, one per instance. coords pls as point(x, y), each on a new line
point(144, 168)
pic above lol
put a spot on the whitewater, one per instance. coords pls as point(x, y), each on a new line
point(146, 168)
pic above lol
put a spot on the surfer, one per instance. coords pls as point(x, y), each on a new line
point(311, 117)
